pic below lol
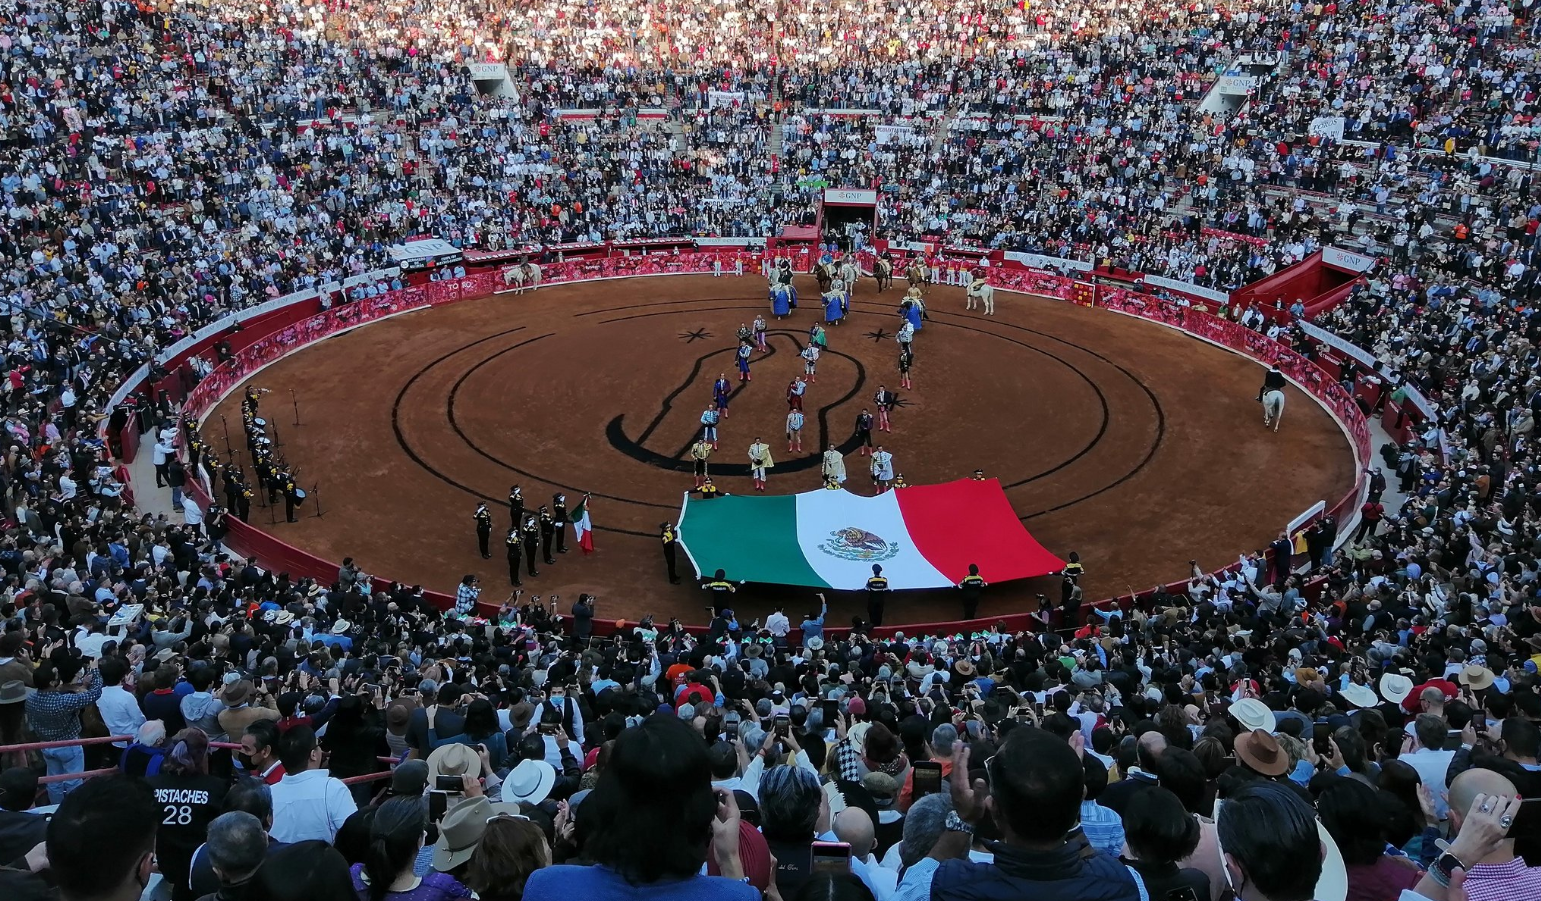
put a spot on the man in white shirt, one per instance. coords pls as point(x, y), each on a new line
point(307, 803)
point(118, 706)
point(777, 624)
point(1428, 734)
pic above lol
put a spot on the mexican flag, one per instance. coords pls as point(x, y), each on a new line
point(924, 536)
point(583, 530)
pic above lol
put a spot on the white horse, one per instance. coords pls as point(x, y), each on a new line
point(981, 292)
point(848, 273)
point(1273, 408)
point(522, 277)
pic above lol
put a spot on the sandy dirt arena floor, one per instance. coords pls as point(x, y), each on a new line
point(1128, 442)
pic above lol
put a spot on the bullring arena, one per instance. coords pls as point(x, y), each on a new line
point(1124, 440)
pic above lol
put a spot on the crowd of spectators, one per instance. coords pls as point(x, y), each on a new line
point(164, 165)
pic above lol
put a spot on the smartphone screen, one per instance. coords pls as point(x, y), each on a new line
point(831, 711)
point(783, 724)
point(438, 803)
point(1038, 709)
point(1321, 738)
point(831, 857)
point(449, 784)
point(928, 778)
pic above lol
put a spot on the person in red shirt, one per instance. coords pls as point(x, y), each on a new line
point(1369, 520)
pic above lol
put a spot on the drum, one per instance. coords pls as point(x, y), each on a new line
point(259, 422)
point(264, 440)
point(299, 495)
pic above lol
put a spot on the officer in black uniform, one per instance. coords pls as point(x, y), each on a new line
point(559, 521)
point(1274, 380)
point(547, 532)
point(722, 592)
point(515, 506)
point(243, 502)
point(531, 534)
point(877, 594)
point(671, 540)
point(972, 586)
point(512, 544)
point(290, 497)
point(483, 518)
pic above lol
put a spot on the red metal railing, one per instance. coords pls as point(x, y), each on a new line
point(113, 739)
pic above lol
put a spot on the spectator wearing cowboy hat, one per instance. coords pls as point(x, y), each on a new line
point(242, 708)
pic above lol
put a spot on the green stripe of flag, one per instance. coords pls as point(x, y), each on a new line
point(753, 539)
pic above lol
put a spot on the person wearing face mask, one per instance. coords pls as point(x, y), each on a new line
point(259, 752)
point(559, 709)
point(308, 803)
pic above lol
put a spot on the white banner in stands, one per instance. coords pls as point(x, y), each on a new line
point(842, 195)
point(716, 99)
point(728, 242)
point(1172, 284)
point(1419, 401)
point(1235, 84)
point(1347, 259)
point(1039, 261)
point(1327, 127)
point(904, 134)
point(1322, 336)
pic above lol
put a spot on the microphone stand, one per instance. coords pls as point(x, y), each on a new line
point(296, 403)
point(315, 492)
point(226, 423)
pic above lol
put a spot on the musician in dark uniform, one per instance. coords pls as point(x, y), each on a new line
point(483, 518)
point(290, 496)
point(559, 521)
point(231, 487)
point(671, 540)
point(1274, 380)
point(275, 481)
point(547, 532)
point(531, 535)
point(722, 592)
point(512, 544)
point(515, 506)
point(243, 503)
point(972, 586)
point(877, 594)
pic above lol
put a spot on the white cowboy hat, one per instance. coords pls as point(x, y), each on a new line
point(1332, 884)
point(815, 644)
point(529, 782)
point(1395, 686)
point(1253, 714)
point(341, 627)
point(1359, 695)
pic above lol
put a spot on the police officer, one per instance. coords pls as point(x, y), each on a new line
point(722, 592)
point(483, 518)
point(972, 586)
point(670, 539)
point(512, 545)
point(515, 506)
point(531, 534)
point(547, 531)
point(559, 521)
point(877, 593)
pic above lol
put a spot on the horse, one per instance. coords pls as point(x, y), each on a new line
point(825, 273)
point(1273, 408)
point(847, 272)
point(522, 277)
point(883, 271)
point(917, 274)
point(782, 300)
point(981, 292)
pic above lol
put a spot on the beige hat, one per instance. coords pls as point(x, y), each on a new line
point(462, 829)
point(1253, 714)
point(453, 760)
